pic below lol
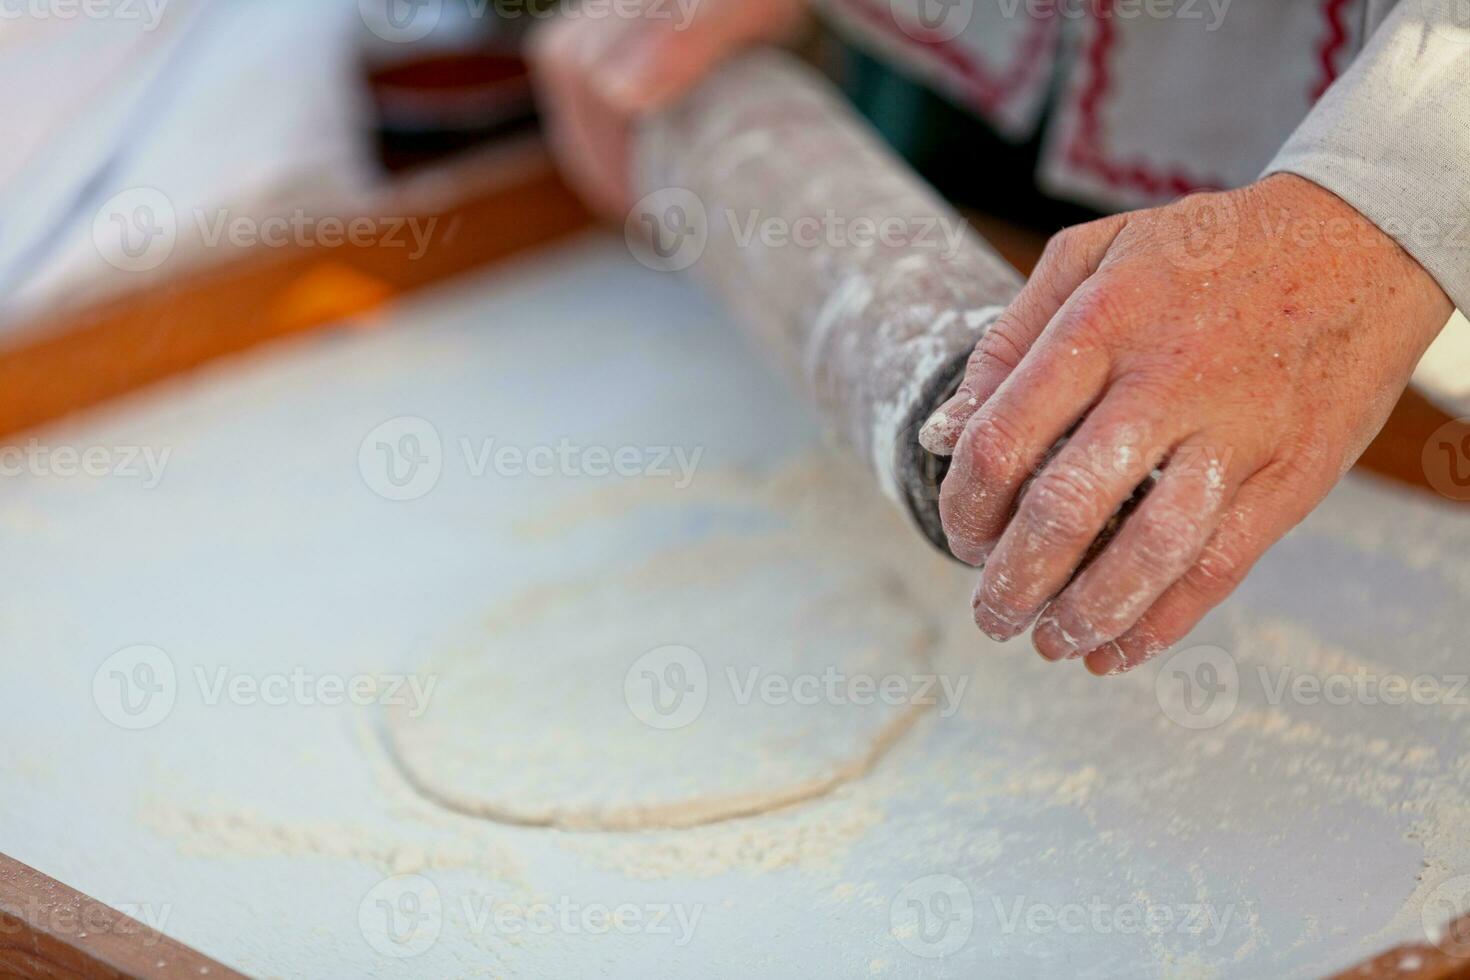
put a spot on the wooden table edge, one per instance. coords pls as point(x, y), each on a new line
point(50, 930)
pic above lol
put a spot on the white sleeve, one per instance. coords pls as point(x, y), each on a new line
point(1392, 137)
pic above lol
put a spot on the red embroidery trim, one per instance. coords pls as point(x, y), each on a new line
point(1086, 150)
point(1332, 45)
point(989, 89)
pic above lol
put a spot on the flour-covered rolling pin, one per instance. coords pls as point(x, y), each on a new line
point(864, 283)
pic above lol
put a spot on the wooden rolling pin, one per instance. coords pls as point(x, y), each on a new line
point(865, 285)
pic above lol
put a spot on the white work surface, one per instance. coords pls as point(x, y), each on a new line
point(1074, 829)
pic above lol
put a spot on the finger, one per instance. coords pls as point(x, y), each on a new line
point(1069, 258)
point(1157, 544)
point(589, 138)
point(1061, 513)
point(675, 54)
point(1268, 505)
point(1014, 430)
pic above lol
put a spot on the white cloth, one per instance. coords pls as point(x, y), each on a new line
point(221, 106)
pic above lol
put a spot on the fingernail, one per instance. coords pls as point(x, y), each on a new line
point(1106, 661)
point(941, 433)
point(999, 625)
point(1053, 642)
point(975, 555)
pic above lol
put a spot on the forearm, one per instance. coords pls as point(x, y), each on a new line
point(1392, 138)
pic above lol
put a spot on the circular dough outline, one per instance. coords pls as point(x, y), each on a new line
point(687, 812)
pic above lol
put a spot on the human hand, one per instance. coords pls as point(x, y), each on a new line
point(1243, 346)
point(596, 75)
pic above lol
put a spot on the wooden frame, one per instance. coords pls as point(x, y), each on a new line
point(492, 205)
point(48, 930)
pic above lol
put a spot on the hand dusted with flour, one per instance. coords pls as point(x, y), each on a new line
point(1250, 344)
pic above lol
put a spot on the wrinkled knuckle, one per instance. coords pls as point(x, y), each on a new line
point(1061, 247)
point(1062, 502)
point(995, 446)
point(1217, 574)
point(1168, 538)
point(1001, 348)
